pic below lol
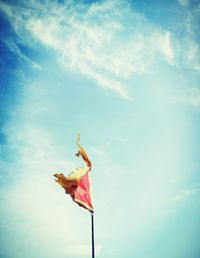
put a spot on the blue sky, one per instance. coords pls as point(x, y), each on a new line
point(125, 74)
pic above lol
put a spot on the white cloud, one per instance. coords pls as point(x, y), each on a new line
point(185, 194)
point(190, 97)
point(107, 41)
point(193, 55)
point(166, 47)
point(183, 2)
point(186, 45)
point(35, 147)
point(22, 57)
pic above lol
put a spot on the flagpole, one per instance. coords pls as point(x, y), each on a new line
point(92, 228)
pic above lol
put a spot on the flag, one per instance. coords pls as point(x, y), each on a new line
point(77, 184)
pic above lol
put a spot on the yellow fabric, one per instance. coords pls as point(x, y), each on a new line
point(82, 153)
point(67, 183)
point(78, 173)
point(70, 182)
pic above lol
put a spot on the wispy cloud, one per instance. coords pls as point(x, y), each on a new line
point(183, 2)
point(12, 46)
point(187, 44)
point(188, 54)
point(108, 41)
point(191, 97)
point(185, 194)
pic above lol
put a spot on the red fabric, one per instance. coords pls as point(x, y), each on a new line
point(82, 194)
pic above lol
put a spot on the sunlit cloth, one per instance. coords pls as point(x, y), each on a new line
point(77, 184)
point(83, 153)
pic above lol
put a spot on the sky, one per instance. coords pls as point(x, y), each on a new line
point(126, 75)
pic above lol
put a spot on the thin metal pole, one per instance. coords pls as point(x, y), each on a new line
point(92, 227)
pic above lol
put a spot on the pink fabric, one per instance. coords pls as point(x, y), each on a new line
point(82, 194)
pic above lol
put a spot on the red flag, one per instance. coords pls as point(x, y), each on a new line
point(82, 194)
point(77, 184)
